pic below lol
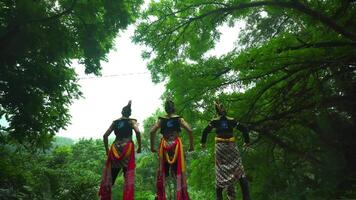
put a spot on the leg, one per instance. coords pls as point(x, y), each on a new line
point(231, 193)
point(244, 188)
point(124, 170)
point(114, 172)
point(174, 181)
point(166, 169)
point(171, 181)
point(219, 191)
point(173, 170)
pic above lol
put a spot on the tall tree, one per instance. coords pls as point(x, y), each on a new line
point(291, 77)
point(38, 42)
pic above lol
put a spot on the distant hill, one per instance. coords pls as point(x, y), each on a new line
point(63, 141)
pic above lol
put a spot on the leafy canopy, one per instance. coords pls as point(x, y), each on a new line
point(38, 42)
point(290, 77)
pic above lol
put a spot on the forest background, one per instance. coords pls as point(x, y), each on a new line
point(290, 78)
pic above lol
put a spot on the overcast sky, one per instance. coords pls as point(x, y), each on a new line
point(125, 78)
point(104, 97)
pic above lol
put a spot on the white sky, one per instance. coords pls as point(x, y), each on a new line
point(105, 97)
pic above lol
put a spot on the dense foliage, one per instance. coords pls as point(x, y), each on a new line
point(38, 42)
point(66, 172)
point(73, 171)
point(291, 78)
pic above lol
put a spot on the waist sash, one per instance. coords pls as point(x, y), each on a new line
point(114, 155)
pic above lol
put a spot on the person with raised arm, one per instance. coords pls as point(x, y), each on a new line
point(121, 155)
point(228, 164)
point(170, 152)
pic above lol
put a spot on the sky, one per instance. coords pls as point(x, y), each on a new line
point(125, 77)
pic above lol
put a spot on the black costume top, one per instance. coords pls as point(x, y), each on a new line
point(224, 128)
point(170, 125)
point(123, 128)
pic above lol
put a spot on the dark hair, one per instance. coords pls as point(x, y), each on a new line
point(126, 111)
point(220, 110)
point(169, 107)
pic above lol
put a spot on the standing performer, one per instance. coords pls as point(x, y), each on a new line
point(121, 155)
point(171, 156)
point(228, 164)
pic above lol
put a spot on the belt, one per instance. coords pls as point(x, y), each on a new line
point(218, 139)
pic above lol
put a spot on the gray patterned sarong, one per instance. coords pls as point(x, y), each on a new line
point(228, 164)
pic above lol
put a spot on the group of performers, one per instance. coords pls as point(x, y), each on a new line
point(121, 154)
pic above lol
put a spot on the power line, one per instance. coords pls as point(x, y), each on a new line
point(113, 75)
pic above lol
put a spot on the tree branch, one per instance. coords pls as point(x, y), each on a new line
point(327, 44)
point(16, 27)
point(294, 5)
point(267, 134)
point(323, 19)
point(55, 16)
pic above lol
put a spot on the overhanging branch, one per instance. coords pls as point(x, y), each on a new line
point(55, 16)
point(293, 5)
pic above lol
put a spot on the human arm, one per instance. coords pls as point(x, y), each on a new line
point(204, 136)
point(138, 135)
point(186, 126)
point(153, 131)
point(106, 136)
point(245, 132)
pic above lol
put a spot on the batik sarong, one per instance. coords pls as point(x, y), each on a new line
point(121, 156)
point(171, 156)
point(228, 164)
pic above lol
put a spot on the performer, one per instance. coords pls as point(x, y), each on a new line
point(228, 164)
point(171, 156)
point(121, 155)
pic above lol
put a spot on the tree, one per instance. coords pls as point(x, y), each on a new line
point(291, 78)
point(38, 42)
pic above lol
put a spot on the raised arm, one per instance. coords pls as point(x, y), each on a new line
point(186, 126)
point(204, 136)
point(138, 135)
point(153, 131)
point(106, 136)
point(245, 132)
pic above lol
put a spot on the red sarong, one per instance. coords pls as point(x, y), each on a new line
point(128, 152)
point(164, 159)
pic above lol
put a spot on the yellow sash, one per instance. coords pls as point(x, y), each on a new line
point(178, 148)
point(117, 154)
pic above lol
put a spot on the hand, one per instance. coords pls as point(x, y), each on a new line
point(203, 146)
point(139, 150)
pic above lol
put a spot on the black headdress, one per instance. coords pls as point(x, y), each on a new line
point(220, 110)
point(126, 111)
point(169, 106)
